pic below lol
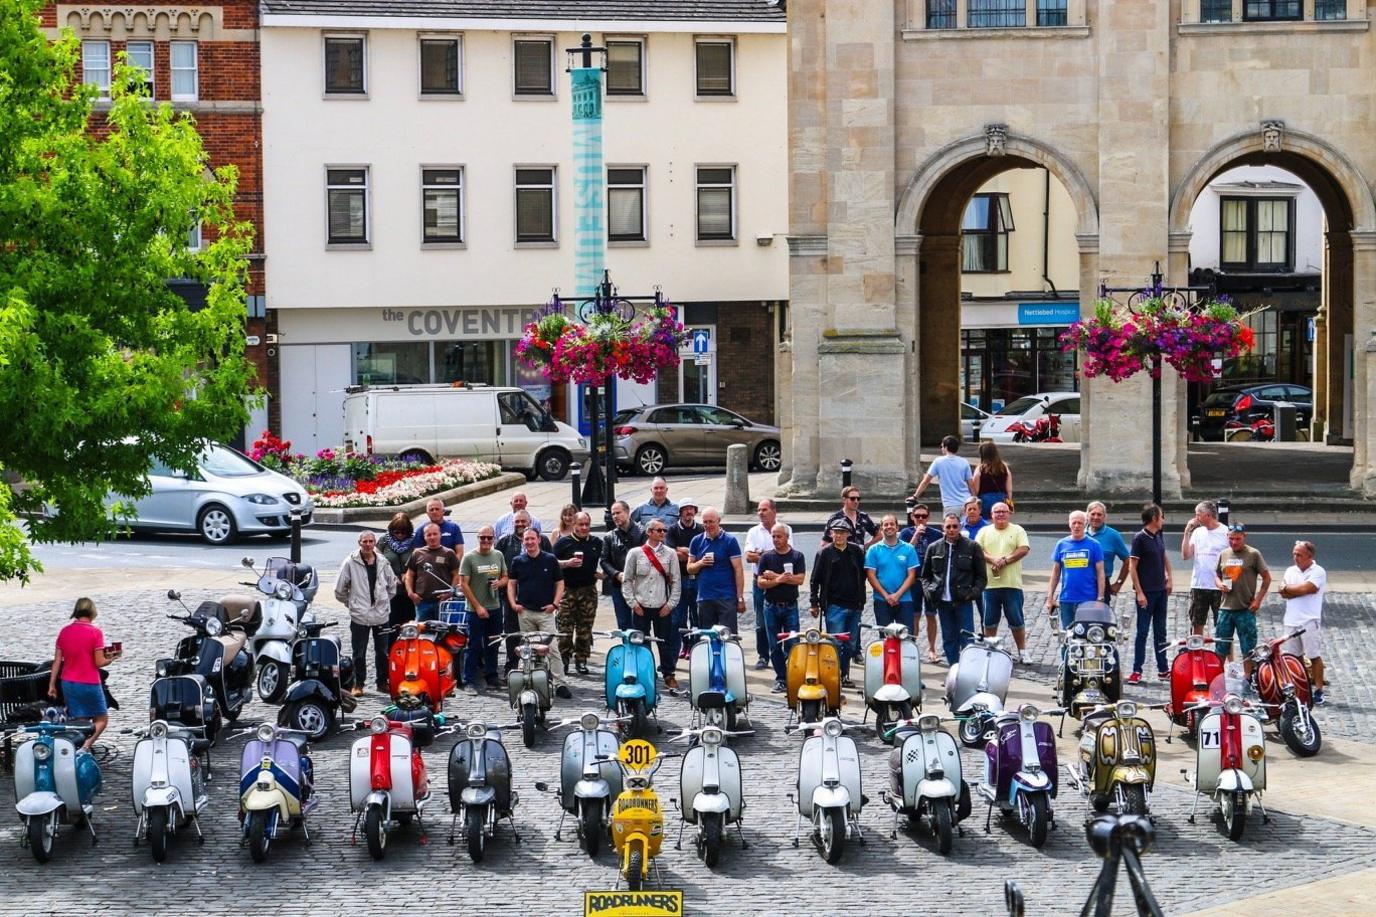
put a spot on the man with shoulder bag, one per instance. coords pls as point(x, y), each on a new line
point(650, 585)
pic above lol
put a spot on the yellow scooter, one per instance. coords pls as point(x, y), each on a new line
point(814, 675)
point(637, 816)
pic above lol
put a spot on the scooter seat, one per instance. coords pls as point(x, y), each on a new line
point(233, 641)
point(300, 741)
point(1098, 718)
point(711, 700)
point(241, 609)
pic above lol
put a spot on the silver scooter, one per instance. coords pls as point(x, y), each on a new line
point(927, 785)
point(710, 789)
point(589, 779)
point(286, 591)
point(169, 783)
point(977, 687)
point(828, 787)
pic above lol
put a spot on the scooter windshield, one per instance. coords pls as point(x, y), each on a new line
point(1093, 613)
point(280, 570)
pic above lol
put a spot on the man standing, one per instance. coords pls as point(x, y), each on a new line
point(1113, 546)
point(838, 589)
point(714, 557)
point(952, 473)
point(781, 573)
point(1204, 539)
point(624, 536)
point(953, 577)
point(891, 568)
point(510, 545)
point(1078, 567)
point(1150, 568)
point(432, 574)
point(659, 506)
point(1305, 583)
point(863, 530)
point(482, 575)
point(1239, 569)
point(650, 586)
point(504, 525)
point(972, 523)
point(1005, 545)
point(922, 536)
point(450, 534)
point(679, 537)
point(758, 540)
point(579, 556)
point(534, 590)
point(365, 587)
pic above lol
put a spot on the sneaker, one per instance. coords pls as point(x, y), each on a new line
point(1163, 676)
point(761, 663)
point(847, 683)
point(470, 690)
point(670, 682)
point(779, 688)
point(563, 692)
point(683, 653)
point(581, 667)
point(1134, 678)
point(1318, 699)
point(1017, 656)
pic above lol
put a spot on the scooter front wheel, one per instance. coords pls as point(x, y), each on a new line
point(1234, 806)
point(1038, 818)
point(810, 711)
point(474, 832)
point(312, 716)
point(375, 830)
point(273, 678)
point(42, 829)
point(832, 827)
point(529, 716)
point(157, 832)
point(590, 824)
point(711, 839)
point(941, 823)
point(971, 732)
point(259, 838)
point(1133, 799)
point(635, 870)
point(1301, 734)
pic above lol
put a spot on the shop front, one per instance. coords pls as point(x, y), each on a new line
point(1011, 349)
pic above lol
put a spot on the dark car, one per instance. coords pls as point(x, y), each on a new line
point(649, 439)
point(1246, 403)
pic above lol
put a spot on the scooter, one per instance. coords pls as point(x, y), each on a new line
point(1192, 671)
point(319, 692)
point(54, 783)
point(1117, 764)
point(893, 678)
point(588, 779)
point(717, 691)
point(480, 791)
point(1045, 429)
point(286, 592)
point(169, 783)
point(637, 816)
point(814, 675)
point(927, 785)
point(828, 788)
point(528, 685)
point(276, 786)
point(1089, 673)
point(421, 665)
point(1230, 757)
point(977, 686)
point(1282, 682)
point(387, 780)
point(631, 681)
point(1020, 770)
point(218, 652)
point(710, 787)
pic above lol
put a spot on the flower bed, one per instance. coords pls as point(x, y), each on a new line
point(395, 487)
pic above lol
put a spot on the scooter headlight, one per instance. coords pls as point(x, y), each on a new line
point(409, 632)
point(378, 725)
point(282, 591)
point(1233, 704)
point(813, 636)
point(1095, 634)
point(42, 752)
point(929, 723)
point(637, 638)
point(1126, 710)
point(158, 730)
point(711, 735)
point(902, 633)
point(476, 730)
point(832, 728)
point(265, 732)
point(1194, 642)
point(213, 626)
point(589, 721)
point(1256, 753)
point(1029, 713)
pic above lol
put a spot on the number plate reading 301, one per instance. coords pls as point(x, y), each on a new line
point(637, 753)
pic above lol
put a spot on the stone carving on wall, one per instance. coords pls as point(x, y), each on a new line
point(1271, 134)
point(158, 22)
point(995, 139)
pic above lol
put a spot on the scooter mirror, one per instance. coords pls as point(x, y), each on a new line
point(247, 562)
point(542, 787)
point(174, 595)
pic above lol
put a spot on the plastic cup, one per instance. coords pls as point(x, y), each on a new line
point(788, 569)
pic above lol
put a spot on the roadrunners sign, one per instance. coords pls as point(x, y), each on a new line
point(633, 904)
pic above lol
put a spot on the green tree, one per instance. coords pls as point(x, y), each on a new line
point(102, 367)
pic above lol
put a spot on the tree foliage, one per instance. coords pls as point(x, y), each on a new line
point(102, 366)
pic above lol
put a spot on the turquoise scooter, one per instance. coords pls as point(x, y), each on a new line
point(631, 681)
point(54, 782)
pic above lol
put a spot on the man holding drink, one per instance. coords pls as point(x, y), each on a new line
point(781, 572)
point(1239, 568)
point(715, 559)
point(578, 555)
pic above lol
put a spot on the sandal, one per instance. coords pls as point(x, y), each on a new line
point(931, 657)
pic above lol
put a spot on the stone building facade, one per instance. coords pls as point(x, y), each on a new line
point(898, 112)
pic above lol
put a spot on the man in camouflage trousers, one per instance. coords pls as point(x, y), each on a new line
point(578, 555)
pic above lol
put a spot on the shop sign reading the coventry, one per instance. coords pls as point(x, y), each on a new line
point(469, 322)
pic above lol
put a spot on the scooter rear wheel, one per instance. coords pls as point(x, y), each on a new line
point(590, 821)
point(473, 830)
point(157, 832)
point(258, 837)
point(375, 830)
point(42, 830)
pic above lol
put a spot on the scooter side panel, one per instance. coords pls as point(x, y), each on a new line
point(874, 667)
point(1252, 736)
point(498, 772)
point(616, 664)
point(179, 770)
point(690, 781)
point(64, 773)
point(848, 759)
point(1208, 757)
point(809, 773)
point(699, 669)
point(695, 764)
point(360, 772)
point(570, 766)
point(734, 657)
point(646, 673)
point(143, 772)
point(23, 770)
point(403, 791)
point(730, 774)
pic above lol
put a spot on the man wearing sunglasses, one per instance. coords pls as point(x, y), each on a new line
point(1239, 569)
point(953, 577)
point(922, 536)
point(864, 531)
point(482, 575)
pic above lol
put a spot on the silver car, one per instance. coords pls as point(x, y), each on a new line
point(650, 439)
point(228, 495)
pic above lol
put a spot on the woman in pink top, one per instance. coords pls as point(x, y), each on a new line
point(78, 660)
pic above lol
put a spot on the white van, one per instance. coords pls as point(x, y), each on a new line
point(481, 423)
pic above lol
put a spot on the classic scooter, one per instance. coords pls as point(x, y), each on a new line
point(480, 792)
point(1282, 682)
point(286, 590)
point(528, 685)
point(168, 783)
point(54, 782)
point(1193, 669)
point(631, 681)
point(319, 693)
point(927, 785)
point(1116, 768)
point(588, 779)
point(717, 691)
point(827, 791)
point(1089, 673)
point(387, 780)
point(893, 677)
point(710, 788)
point(637, 816)
point(1020, 770)
point(814, 675)
point(218, 652)
point(421, 665)
point(977, 686)
point(1230, 756)
point(276, 786)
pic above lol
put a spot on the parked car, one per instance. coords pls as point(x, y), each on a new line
point(650, 439)
point(1245, 403)
point(481, 423)
point(228, 495)
point(971, 419)
point(1065, 405)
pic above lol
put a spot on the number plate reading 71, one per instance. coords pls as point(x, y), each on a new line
point(1209, 738)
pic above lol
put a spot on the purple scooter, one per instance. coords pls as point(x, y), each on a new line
point(1020, 770)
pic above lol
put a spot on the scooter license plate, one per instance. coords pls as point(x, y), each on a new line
point(1091, 666)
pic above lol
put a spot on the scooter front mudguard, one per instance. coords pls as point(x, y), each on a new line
point(940, 788)
point(1130, 775)
point(379, 798)
point(892, 694)
point(1028, 782)
point(274, 651)
point(478, 795)
point(591, 789)
point(1230, 781)
point(257, 800)
point(630, 692)
point(162, 797)
point(830, 797)
point(37, 803)
point(711, 802)
point(529, 697)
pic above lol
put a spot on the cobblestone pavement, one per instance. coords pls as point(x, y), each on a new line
point(545, 876)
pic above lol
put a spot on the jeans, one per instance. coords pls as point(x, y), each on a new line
point(1152, 617)
point(382, 642)
point(511, 624)
point(623, 611)
point(761, 632)
point(902, 613)
point(956, 618)
point(403, 612)
point(987, 501)
point(428, 610)
point(684, 613)
point(1067, 610)
point(658, 625)
point(779, 619)
point(712, 612)
point(843, 620)
point(480, 647)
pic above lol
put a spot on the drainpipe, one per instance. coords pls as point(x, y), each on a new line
point(1046, 232)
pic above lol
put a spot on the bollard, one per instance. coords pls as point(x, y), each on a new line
point(296, 536)
point(737, 480)
point(578, 486)
point(1224, 507)
point(846, 466)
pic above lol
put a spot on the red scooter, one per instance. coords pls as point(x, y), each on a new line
point(893, 682)
point(388, 784)
point(1045, 429)
point(1192, 672)
point(1260, 430)
point(1282, 682)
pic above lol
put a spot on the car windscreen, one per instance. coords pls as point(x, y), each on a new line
point(624, 417)
point(1021, 406)
point(224, 462)
point(1223, 399)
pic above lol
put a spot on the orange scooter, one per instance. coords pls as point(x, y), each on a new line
point(814, 675)
point(420, 666)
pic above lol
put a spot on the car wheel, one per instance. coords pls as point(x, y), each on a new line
point(553, 464)
point(768, 456)
point(650, 460)
point(417, 455)
point(216, 525)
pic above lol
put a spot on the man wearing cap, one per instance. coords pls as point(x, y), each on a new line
point(1239, 568)
point(679, 537)
point(838, 588)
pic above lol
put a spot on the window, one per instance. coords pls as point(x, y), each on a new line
point(140, 57)
point(193, 235)
point(625, 68)
point(442, 205)
point(716, 203)
point(344, 66)
point(387, 363)
point(534, 67)
point(1255, 234)
point(1272, 10)
point(347, 200)
point(1215, 10)
point(440, 66)
point(95, 66)
point(984, 234)
point(715, 69)
point(185, 79)
point(941, 14)
point(626, 204)
point(534, 205)
point(1330, 9)
point(997, 14)
point(1051, 12)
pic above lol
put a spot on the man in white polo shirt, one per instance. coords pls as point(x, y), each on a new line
point(1305, 583)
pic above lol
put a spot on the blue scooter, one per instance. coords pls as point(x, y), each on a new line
point(54, 783)
point(631, 681)
point(276, 786)
point(716, 678)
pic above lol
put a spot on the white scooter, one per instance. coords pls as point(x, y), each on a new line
point(710, 787)
point(589, 778)
point(926, 783)
point(1230, 758)
point(828, 787)
point(169, 784)
point(977, 687)
point(286, 591)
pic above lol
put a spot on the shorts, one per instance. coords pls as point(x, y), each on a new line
point(1311, 641)
point(84, 701)
point(1204, 602)
point(1239, 621)
point(1003, 602)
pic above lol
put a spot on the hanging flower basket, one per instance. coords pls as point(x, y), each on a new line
point(1118, 343)
point(608, 345)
